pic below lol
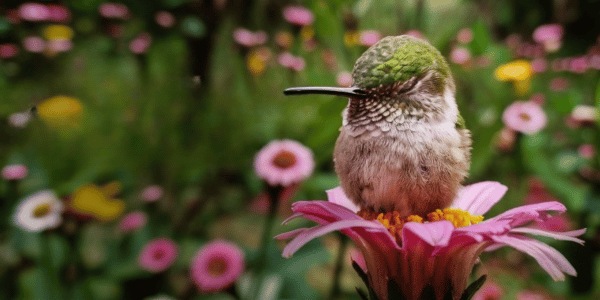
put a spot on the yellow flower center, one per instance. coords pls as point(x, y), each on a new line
point(42, 210)
point(284, 159)
point(525, 117)
point(394, 222)
point(217, 266)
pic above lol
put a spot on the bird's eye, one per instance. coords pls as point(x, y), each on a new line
point(408, 85)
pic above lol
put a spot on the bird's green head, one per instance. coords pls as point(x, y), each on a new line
point(397, 60)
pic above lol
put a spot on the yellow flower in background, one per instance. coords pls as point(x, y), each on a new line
point(351, 38)
point(57, 32)
point(256, 60)
point(514, 71)
point(307, 33)
point(93, 200)
point(519, 72)
point(60, 111)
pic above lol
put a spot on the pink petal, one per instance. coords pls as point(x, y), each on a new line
point(290, 234)
point(323, 211)
point(337, 196)
point(562, 236)
point(318, 231)
point(434, 233)
point(526, 213)
point(547, 257)
point(478, 198)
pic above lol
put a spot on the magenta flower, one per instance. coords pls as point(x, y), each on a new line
point(34, 44)
point(284, 162)
point(217, 266)
point(34, 12)
point(549, 35)
point(164, 19)
point(464, 36)
point(8, 50)
point(111, 10)
point(460, 55)
point(489, 291)
point(58, 13)
point(158, 255)
point(525, 117)
point(539, 65)
point(344, 79)
point(248, 38)
point(369, 38)
point(14, 172)
point(587, 151)
point(438, 254)
point(133, 221)
point(298, 15)
point(141, 43)
point(292, 62)
point(152, 193)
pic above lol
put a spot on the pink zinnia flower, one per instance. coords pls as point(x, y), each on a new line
point(298, 15)
point(284, 162)
point(290, 61)
point(464, 36)
point(14, 172)
point(164, 19)
point(549, 35)
point(58, 13)
point(34, 12)
point(111, 10)
point(152, 193)
point(489, 291)
point(344, 79)
point(369, 38)
point(249, 38)
point(525, 117)
point(587, 151)
point(460, 55)
point(578, 65)
point(158, 255)
point(34, 44)
point(133, 221)
point(57, 46)
point(217, 266)
point(140, 43)
point(438, 253)
point(8, 50)
point(539, 65)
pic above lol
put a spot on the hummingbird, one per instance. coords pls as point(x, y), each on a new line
point(403, 145)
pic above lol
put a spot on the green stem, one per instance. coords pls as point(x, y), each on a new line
point(419, 14)
point(261, 264)
point(339, 267)
point(51, 274)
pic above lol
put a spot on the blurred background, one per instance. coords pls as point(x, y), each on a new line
point(129, 129)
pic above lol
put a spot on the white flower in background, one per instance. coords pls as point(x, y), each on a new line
point(39, 211)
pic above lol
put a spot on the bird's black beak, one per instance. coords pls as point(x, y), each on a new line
point(352, 92)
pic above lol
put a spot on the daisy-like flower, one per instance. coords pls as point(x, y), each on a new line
point(133, 221)
point(284, 162)
point(217, 266)
point(298, 15)
point(434, 253)
point(158, 255)
point(14, 172)
point(549, 35)
point(39, 212)
point(525, 117)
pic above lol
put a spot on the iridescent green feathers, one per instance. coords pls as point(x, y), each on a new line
point(397, 58)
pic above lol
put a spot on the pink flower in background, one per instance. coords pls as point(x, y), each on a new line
point(298, 15)
point(164, 19)
point(416, 33)
point(464, 36)
point(505, 139)
point(587, 151)
point(369, 37)
point(538, 98)
point(578, 65)
point(539, 65)
point(14, 172)
point(217, 266)
point(133, 221)
point(249, 38)
point(460, 55)
point(158, 255)
point(449, 248)
point(57, 46)
point(34, 12)
point(559, 84)
point(549, 35)
point(533, 295)
point(112, 10)
point(58, 13)
point(140, 43)
point(284, 162)
point(292, 62)
point(525, 117)
point(584, 115)
point(489, 291)
point(8, 50)
point(344, 79)
point(34, 44)
point(152, 193)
